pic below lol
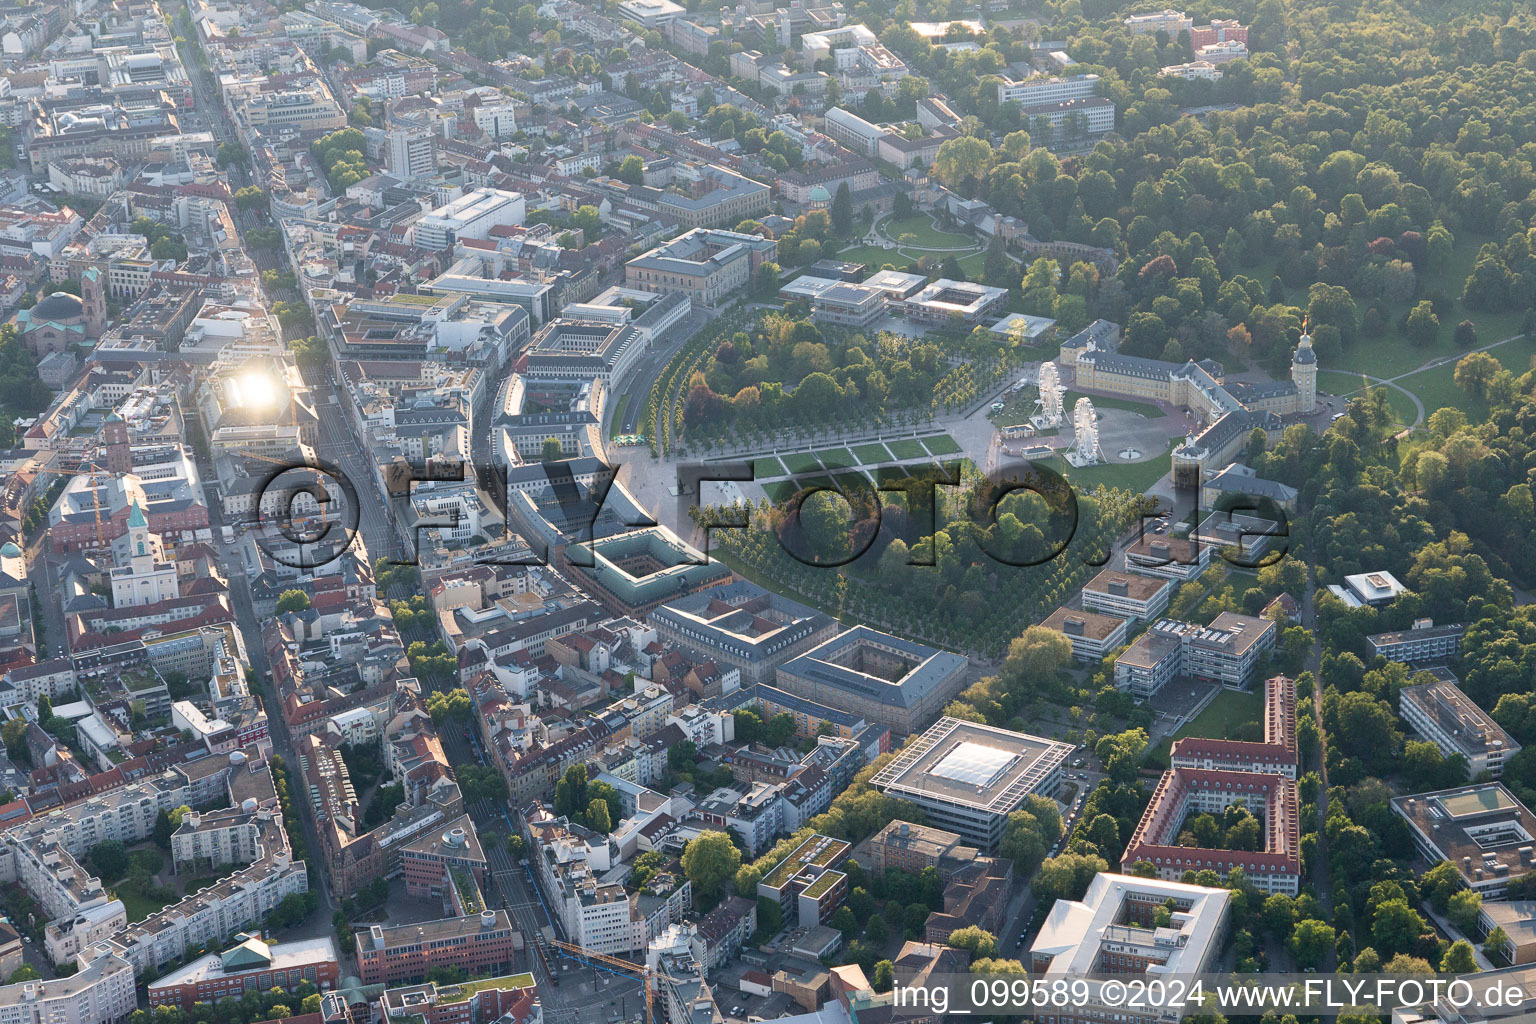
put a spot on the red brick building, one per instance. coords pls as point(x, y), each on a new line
point(483, 944)
point(251, 965)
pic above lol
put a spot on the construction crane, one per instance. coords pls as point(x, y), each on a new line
point(648, 974)
point(96, 486)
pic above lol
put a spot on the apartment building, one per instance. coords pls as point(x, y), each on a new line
point(101, 991)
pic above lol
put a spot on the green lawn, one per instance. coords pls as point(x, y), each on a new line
point(1392, 354)
point(924, 234)
point(874, 257)
point(779, 492)
point(837, 458)
point(801, 463)
point(904, 450)
point(941, 444)
point(618, 416)
point(1069, 400)
point(138, 907)
point(767, 468)
point(1133, 476)
point(870, 454)
point(1337, 382)
point(1437, 388)
point(1227, 711)
point(974, 264)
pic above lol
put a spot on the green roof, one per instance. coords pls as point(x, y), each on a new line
point(822, 885)
point(459, 993)
point(136, 517)
point(248, 955)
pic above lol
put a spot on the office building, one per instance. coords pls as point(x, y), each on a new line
point(807, 885)
point(1128, 595)
point(1093, 635)
point(471, 216)
point(1424, 644)
point(848, 305)
point(1041, 89)
point(968, 777)
point(852, 131)
point(885, 679)
point(1226, 652)
point(583, 349)
point(1448, 718)
point(1112, 930)
point(705, 265)
point(949, 302)
point(482, 944)
point(743, 626)
point(1481, 829)
point(412, 152)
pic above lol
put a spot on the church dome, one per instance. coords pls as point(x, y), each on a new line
point(58, 306)
point(819, 194)
point(10, 550)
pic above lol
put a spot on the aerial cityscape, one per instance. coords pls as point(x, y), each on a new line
point(633, 511)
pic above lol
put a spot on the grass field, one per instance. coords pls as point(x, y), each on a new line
point(905, 450)
point(1437, 388)
point(924, 234)
point(974, 264)
point(618, 416)
point(874, 257)
point(1229, 709)
point(1337, 382)
point(138, 907)
point(801, 463)
point(868, 454)
point(941, 444)
point(837, 458)
point(1133, 476)
point(767, 468)
point(780, 492)
point(853, 480)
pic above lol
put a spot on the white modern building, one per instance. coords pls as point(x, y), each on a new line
point(1448, 718)
point(472, 215)
point(969, 777)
